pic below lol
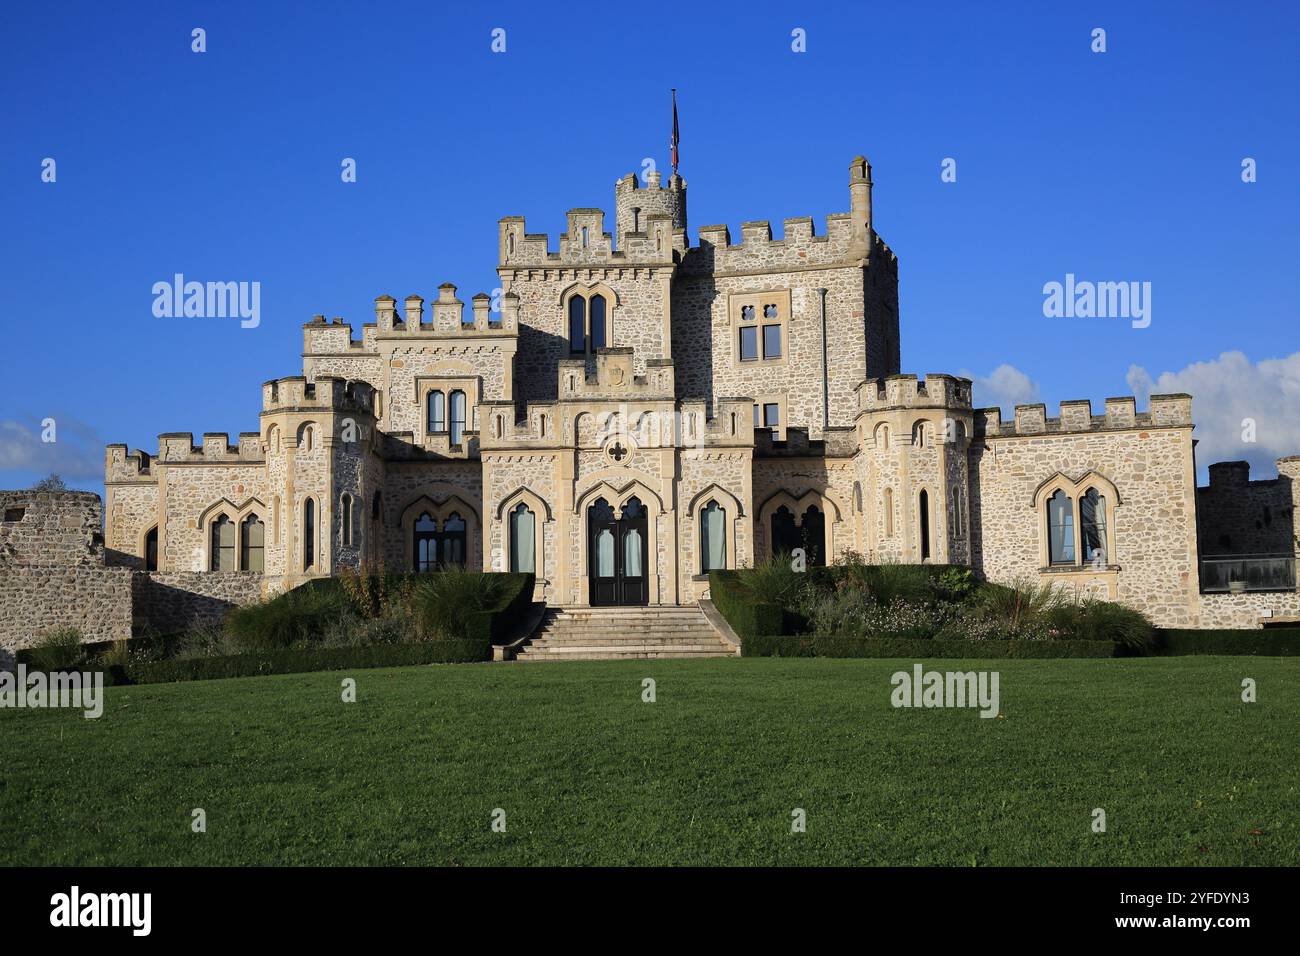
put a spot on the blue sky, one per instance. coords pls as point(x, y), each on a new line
point(225, 165)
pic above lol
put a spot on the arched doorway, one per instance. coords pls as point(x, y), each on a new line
point(617, 553)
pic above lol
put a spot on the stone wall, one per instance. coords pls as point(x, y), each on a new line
point(1249, 610)
point(36, 599)
point(52, 570)
point(175, 601)
point(57, 529)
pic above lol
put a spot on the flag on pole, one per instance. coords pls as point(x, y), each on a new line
point(676, 135)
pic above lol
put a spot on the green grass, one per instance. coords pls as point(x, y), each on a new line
point(709, 774)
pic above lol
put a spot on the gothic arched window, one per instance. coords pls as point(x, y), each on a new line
point(522, 539)
point(713, 538)
point(1060, 529)
point(252, 544)
point(457, 417)
point(223, 544)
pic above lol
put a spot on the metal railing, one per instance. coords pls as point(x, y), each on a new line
point(1230, 573)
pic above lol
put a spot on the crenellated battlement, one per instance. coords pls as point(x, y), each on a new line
point(1166, 411)
point(936, 390)
point(176, 447)
point(119, 465)
point(637, 206)
point(327, 393)
point(585, 243)
point(446, 315)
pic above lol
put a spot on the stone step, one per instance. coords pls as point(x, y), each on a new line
point(586, 628)
point(697, 637)
point(596, 654)
point(627, 633)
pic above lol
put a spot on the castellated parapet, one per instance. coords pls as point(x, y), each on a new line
point(295, 393)
point(1166, 411)
point(907, 391)
point(635, 206)
point(444, 318)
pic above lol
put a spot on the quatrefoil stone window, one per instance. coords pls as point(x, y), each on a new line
point(619, 451)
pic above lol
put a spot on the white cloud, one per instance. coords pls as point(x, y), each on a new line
point(76, 453)
point(1006, 387)
point(1227, 394)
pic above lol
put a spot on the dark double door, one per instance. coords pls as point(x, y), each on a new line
point(617, 554)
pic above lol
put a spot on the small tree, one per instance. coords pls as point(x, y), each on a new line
point(50, 483)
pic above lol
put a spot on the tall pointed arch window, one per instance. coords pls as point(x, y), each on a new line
point(589, 316)
point(1092, 526)
point(223, 544)
point(522, 539)
point(252, 544)
point(713, 538)
point(1060, 528)
point(457, 417)
point(436, 412)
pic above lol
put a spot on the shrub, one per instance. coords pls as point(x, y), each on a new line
point(1023, 609)
point(58, 650)
point(748, 616)
point(443, 602)
point(776, 582)
point(1094, 620)
point(297, 617)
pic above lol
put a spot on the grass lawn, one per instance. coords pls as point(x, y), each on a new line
point(708, 774)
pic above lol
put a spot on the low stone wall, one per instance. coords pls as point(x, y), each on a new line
point(175, 601)
point(35, 599)
point(1248, 610)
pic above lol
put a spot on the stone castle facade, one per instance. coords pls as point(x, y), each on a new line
point(634, 410)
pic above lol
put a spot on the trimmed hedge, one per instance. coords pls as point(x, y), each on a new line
point(284, 661)
point(494, 624)
point(1266, 642)
point(827, 646)
point(748, 618)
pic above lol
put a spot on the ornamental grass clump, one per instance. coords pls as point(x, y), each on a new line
point(443, 602)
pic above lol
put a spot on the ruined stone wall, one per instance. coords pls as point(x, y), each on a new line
point(52, 570)
point(51, 528)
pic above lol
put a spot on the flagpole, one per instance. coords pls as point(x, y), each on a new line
point(676, 137)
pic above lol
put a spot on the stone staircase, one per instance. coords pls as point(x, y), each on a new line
point(624, 633)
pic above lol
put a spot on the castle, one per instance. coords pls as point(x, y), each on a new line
point(633, 411)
